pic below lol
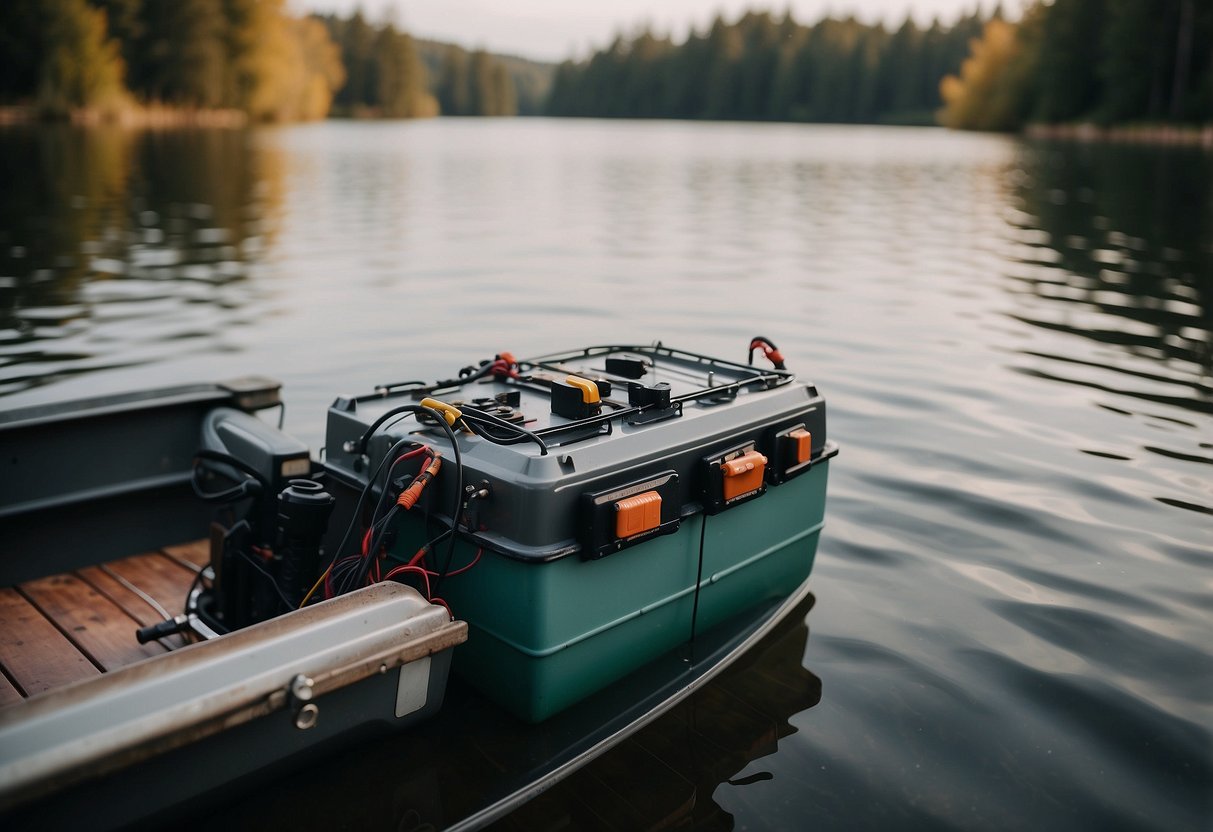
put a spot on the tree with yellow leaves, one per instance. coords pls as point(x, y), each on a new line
point(992, 91)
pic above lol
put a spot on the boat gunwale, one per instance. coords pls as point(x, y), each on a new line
point(23, 780)
point(536, 786)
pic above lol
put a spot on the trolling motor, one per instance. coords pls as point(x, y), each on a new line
point(268, 553)
point(304, 508)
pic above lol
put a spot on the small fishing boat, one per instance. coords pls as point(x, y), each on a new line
point(543, 554)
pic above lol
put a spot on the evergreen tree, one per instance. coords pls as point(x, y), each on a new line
point(454, 93)
point(22, 33)
point(1069, 59)
point(81, 66)
point(1137, 50)
point(506, 104)
point(184, 54)
point(126, 26)
point(896, 92)
point(356, 39)
point(401, 90)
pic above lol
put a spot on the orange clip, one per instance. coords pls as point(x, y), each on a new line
point(743, 474)
point(802, 445)
point(409, 496)
point(637, 514)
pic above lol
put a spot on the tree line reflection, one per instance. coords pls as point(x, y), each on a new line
point(88, 209)
point(1126, 252)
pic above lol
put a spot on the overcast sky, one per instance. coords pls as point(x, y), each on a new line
point(552, 30)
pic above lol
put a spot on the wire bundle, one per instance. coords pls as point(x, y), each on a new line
point(345, 574)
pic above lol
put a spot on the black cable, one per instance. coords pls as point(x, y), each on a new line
point(703, 531)
point(387, 481)
point(375, 542)
point(485, 369)
point(253, 562)
point(450, 552)
point(473, 416)
point(250, 487)
point(370, 484)
point(360, 447)
point(779, 365)
point(416, 409)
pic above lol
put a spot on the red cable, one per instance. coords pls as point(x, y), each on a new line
point(402, 569)
point(463, 569)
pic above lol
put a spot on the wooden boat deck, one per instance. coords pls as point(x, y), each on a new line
point(67, 627)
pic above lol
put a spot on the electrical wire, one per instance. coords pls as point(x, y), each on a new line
point(147, 599)
point(323, 575)
point(370, 485)
point(346, 574)
point(265, 573)
point(462, 569)
point(474, 417)
point(250, 487)
point(758, 342)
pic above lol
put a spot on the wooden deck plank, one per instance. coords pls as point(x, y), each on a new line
point(94, 623)
point(35, 654)
point(8, 693)
point(130, 603)
point(165, 581)
point(196, 552)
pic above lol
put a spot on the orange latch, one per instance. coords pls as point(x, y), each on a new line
point(637, 514)
point(802, 445)
point(589, 390)
point(743, 474)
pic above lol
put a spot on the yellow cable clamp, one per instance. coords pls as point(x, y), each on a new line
point(450, 413)
point(589, 389)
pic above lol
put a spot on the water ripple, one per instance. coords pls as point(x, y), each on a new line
point(1123, 732)
point(1016, 341)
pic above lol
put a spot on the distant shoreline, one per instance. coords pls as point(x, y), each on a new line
point(1154, 134)
point(163, 116)
point(139, 115)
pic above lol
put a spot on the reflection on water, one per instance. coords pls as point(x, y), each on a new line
point(665, 776)
point(1125, 260)
point(1012, 628)
point(1119, 251)
point(113, 243)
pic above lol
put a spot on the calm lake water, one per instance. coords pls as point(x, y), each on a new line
point(1013, 622)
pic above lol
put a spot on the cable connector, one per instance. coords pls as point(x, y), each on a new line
point(769, 350)
point(408, 498)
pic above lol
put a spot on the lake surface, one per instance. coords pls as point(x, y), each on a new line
point(1013, 623)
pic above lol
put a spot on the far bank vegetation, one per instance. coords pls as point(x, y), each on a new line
point(212, 61)
point(1103, 63)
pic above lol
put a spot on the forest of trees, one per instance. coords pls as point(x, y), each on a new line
point(507, 85)
point(1105, 61)
point(106, 56)
point(764, 67)
point(251, 55)
point(474, 84)
point(383, 73)
point(1100, 61)
point(1065, 61)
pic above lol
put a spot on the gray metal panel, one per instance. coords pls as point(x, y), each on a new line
point(170, 700)
point(118, 466)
